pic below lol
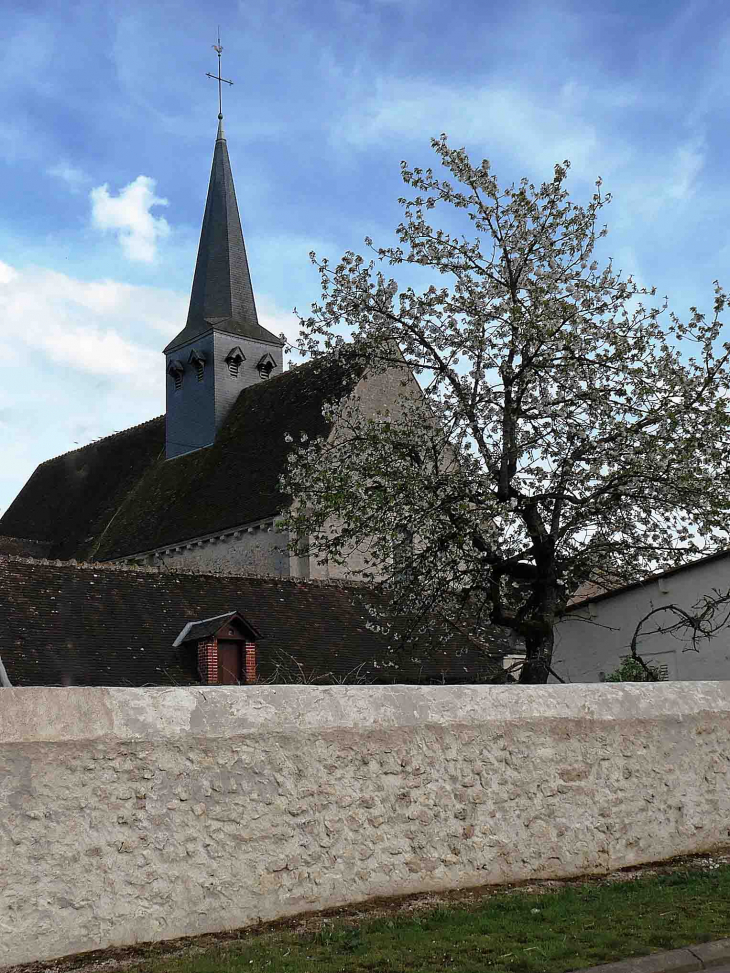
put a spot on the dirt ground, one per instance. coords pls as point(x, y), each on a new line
point(119, 958)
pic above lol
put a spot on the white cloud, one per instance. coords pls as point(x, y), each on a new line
point(655, 190)
point(75, 179)
point(543, 131)
point(128, 215)
point(85, 359)
point(278, 321)
point(82, 325)
point(85, 325)
point(687, 164)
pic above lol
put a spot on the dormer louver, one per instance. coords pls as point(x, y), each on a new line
point(175, 370)
point(197, 360)
point(265, 365)
point(234, 359)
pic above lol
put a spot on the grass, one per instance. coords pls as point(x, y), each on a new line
point(579, 925)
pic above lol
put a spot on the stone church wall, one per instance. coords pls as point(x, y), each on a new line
point(146, 814)
point(259, 549)
point(376, 392)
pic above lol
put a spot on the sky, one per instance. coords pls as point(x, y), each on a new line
point(107, 129)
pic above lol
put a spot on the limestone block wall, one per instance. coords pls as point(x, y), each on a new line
point(255, 549)
point(144, 814)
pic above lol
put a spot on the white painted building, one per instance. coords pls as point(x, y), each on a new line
point(595, 634)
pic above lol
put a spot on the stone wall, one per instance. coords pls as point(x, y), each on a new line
point(145, 814)
point(255, 549)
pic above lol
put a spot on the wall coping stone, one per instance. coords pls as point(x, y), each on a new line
point(38, 714)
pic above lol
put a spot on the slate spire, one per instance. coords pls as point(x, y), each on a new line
point(222, 296)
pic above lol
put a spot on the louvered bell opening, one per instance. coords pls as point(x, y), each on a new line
point(175, 371)
point(200, 370)
point(233, 359)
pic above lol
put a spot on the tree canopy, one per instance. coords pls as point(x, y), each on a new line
point(568, 428)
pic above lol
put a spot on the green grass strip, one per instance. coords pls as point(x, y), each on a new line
point(553, 932)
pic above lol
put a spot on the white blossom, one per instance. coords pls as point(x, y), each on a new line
point(569, 429)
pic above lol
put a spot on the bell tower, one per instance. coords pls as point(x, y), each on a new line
point(222, 349)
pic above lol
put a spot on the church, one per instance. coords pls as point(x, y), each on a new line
point(153, 556)
point(198, 488)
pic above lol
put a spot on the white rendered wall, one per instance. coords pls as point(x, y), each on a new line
point(594, 640)
point(374, 393)
point(129, 815)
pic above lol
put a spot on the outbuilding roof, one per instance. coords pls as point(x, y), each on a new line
point(104, 625)
point(581, 598)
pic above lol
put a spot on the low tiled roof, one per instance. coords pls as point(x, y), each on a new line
point(120, 496)
point(104, 625)
point(23, 547)
point(587, 594)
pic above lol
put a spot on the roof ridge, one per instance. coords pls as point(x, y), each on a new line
point(647, 579)
point(101, 439)
point(331, 355)
point(26, 540)
point(161, 570)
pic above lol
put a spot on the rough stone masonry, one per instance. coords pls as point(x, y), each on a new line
point(145, 814)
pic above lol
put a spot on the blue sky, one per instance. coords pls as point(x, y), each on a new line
point(107, 127)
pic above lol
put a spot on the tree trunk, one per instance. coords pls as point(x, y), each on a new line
point(536, 668)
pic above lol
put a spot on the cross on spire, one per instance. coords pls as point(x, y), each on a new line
point(217, 77)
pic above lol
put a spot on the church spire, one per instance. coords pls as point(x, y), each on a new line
point(222, 295)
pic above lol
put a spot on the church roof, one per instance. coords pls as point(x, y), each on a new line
point(69, 501)
point(105, 625)
point(120, 496)
point(222, 295)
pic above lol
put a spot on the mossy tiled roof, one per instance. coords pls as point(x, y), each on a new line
point(119, 496)
point(104, 625)
point(70, 500)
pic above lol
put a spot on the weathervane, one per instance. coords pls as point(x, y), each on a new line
point(217, 77)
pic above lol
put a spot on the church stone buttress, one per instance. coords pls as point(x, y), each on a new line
point(222, 349)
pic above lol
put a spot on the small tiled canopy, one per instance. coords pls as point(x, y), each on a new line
point(195, 631)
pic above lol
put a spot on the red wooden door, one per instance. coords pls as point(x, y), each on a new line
point(229, 663)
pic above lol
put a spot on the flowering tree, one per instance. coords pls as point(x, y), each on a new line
point(565, 430)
